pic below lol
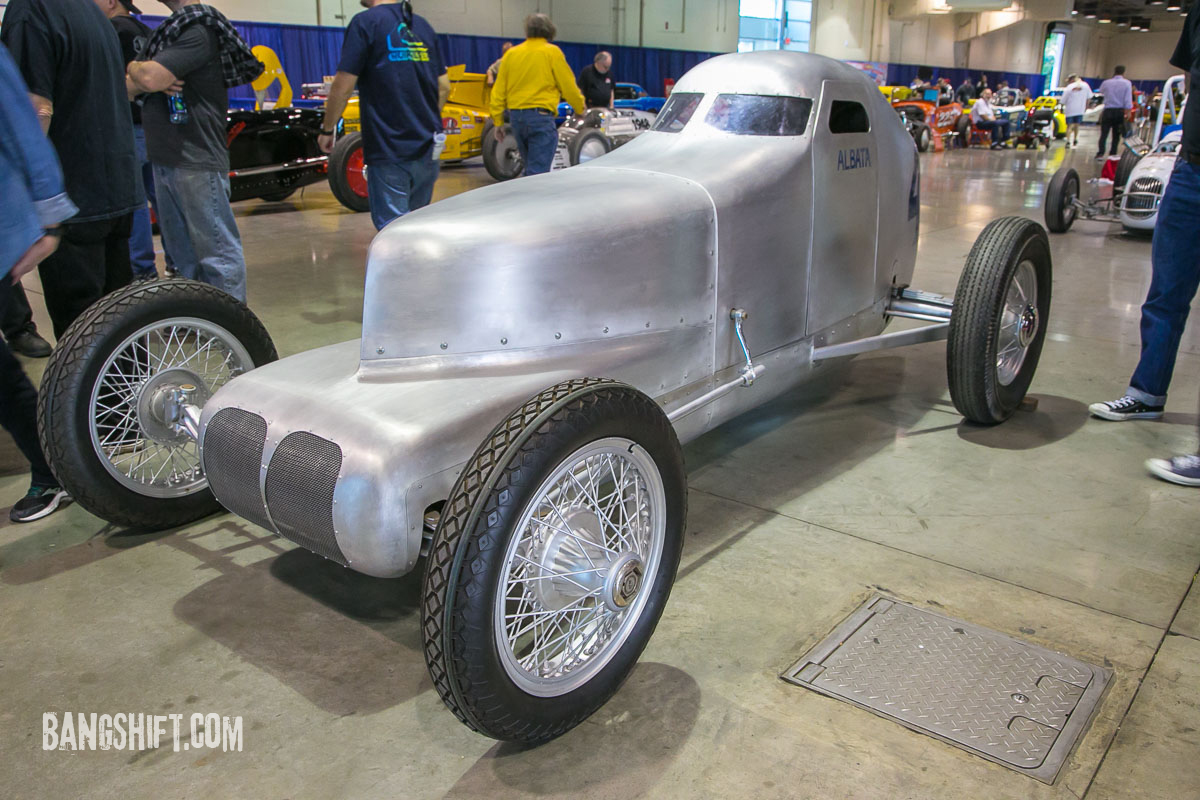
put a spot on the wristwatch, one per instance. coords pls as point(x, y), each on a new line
point(329, 133)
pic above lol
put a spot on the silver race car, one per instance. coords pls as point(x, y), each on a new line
point(515, 407)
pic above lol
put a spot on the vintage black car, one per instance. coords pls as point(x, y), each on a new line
point(273, 152)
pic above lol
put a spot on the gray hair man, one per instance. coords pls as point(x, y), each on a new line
point(597, 83)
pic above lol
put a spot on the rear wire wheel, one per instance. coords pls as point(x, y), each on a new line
point(998, 325)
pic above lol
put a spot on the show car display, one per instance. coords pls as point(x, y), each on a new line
point(1141, 178)
point(926, 119)
point(515, 408)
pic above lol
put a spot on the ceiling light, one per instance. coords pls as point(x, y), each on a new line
point(1173, 5)
point(1105, 20)
point(1090, 15)
point(1073, 12)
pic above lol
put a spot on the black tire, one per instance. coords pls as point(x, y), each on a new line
point(584, 137)
point(502, 159)
point(962, 126)
point(977, 385)
point(280, 196)
point(65, 410)
point(1129, 160)
point(1058, 207)
point(923, 137)
point(347, 156)
point(462, 647)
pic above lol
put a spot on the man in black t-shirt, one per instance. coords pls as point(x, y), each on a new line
point(70, 58)
point(597, 83)
point(184, 112)
point(133, 35)
point(1174, 277)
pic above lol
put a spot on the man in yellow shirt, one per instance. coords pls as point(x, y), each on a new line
point(533, 75)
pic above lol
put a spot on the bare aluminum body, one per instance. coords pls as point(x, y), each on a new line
point(484, 299)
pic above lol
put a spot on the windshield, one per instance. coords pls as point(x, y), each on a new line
point(759, 115)
point(677, 112)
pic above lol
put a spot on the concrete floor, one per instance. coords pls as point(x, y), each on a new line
point(1046, 528)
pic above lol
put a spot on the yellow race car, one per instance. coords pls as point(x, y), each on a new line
point(1058, 125)
point(464, 119)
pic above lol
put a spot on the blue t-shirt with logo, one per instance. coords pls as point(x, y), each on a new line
point(398, 63)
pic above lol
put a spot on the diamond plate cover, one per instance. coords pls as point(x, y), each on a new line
point(1009, 701)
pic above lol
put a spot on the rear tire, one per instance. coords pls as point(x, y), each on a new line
point(1058, 207)
point(348, 173)
point(999, 320)
point(587, 144)
point(502, 159)
point(962, 126)
point(96, 407)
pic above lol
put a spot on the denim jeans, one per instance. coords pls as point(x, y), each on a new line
point(537, 138)
point(395, 189)
point(1174, 278)
point(998, 127)
point(198, 227)
point(141, 240)
point(18, 402)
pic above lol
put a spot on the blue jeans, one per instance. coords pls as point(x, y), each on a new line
point(537, 138)
point(141, 241)
point(1174, 279)
point(198, 227)
point(395, 189)
point(998, 127)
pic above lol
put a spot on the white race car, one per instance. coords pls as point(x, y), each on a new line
point(1138, 204)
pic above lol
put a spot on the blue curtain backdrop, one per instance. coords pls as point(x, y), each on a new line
point(310, 52)
point(902, 75)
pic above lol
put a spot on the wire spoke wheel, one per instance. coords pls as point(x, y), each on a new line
point(553, 560)
point(136, 444)
point(111, 413)
point(573, 572)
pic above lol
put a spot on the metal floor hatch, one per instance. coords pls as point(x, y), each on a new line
point(1014, 703)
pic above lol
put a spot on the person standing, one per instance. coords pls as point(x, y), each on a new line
point(494, 69)
point(133, 35)
point(1117, 92)
point(391, 55)
point(33, 206)
point(1174, 278)
point(71, 62)
point(597, 83)
point(185, 71)
point(19, 329)
point(533, 76)
point(981, 85)
point(1075, 98)
point(965, 92)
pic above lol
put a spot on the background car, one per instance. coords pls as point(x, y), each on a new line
point(927, 119)
point(1056, 126)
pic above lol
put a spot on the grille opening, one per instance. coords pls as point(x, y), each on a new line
point(232, 460)
point(1143, 206)
point(301, 479)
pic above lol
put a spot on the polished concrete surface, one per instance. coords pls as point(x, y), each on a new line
point(1046, 528)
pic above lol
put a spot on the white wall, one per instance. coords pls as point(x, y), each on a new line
point(850, 29)
point(925, 40)
point(1017, 48)
point(1143, 54)
point(1086, 53)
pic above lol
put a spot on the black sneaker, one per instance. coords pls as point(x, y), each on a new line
point(1125, 408)
point(30, 345)
point(40, 501)
point(1184, 470)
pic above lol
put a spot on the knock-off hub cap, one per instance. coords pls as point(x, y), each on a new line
point(574, 563)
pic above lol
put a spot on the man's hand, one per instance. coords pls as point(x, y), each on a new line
point(499, 131)
point(42, 249)
point(326, 142)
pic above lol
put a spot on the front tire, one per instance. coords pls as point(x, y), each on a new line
point(553, 560)
point(588, 143)
point(999, 320)
point(1058, 207)
point(348, 173)
point(1129, 160)
point(923, 137)
point(100, 405)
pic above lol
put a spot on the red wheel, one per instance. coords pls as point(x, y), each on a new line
point(348, 173)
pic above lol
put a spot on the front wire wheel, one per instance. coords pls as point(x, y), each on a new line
point(573, 572)
point(128, 432)
point(553, 560)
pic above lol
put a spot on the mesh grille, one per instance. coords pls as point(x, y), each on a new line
point(300, 481)
point(1142, 206)
point(233, 450)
